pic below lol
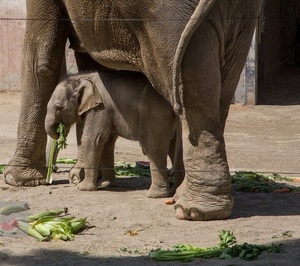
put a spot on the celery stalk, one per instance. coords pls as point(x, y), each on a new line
point(50, 163)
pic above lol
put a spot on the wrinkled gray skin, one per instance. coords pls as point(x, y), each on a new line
point(195, 64)
point(112, 104)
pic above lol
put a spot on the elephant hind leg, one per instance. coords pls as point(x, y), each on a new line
point(205, 193)
point(157, 154)
point(107, 177)
point(192, 212)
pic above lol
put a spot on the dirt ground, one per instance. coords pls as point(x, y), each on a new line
point(261, 138)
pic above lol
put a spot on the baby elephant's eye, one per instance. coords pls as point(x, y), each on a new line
point(58, 109)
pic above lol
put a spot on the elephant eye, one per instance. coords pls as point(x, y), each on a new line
point(58, 109)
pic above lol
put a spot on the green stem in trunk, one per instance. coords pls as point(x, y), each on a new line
point(50, 163)
point(61, 144)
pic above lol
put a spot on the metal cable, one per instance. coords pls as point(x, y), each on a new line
point(65, 168)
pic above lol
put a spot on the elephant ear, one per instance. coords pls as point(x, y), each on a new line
point(89, 96)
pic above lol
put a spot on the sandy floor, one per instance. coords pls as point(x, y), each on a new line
point(261, 138)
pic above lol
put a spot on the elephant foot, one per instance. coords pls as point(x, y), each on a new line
point(102, 183)
point(87, 186)
point(76, 175)
point(190, 211)
point(158, 192)
point(205, 207)
point(15, 175)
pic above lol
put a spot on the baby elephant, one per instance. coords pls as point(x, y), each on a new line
point(106, 105)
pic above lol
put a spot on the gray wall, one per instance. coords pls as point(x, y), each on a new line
point(11, 42)
point(12, 30)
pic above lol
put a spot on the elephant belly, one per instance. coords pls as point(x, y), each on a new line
point(115, 59)
point(125, 131)
point(97, 31)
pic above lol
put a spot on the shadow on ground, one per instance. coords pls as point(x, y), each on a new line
point(124, 184)
point(263, 204)
point(66, 258)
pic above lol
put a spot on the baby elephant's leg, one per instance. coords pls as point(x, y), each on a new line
point(106, 176)
point(93, 145)
point(91, 162)
point(76, 174)
point(157, 152)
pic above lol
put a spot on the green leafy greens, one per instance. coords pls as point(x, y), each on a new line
point(127, 169)
point(247, 181)
point(2, 166)
point(226, 249)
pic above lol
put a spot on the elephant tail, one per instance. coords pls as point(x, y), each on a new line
point(196, 19)
point(178, 141)
point(178, 169)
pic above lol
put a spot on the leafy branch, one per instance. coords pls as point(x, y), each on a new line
point(226, 249)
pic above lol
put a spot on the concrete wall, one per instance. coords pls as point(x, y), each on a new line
point(246, 91)
point(12, 30)
point(11, 42)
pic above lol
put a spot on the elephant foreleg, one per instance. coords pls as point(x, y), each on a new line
point(43, 52)
point(91, 159)
point(96, 133)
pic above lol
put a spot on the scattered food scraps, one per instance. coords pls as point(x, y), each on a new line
point(169, 201)
point(14, 208)
point(131, 233)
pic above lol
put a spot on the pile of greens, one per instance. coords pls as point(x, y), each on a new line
point(226, 249)
point(55, 224)
point(247, 181)
point(43, 226)
point(127, 169)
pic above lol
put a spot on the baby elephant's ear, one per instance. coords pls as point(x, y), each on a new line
point(90, 96)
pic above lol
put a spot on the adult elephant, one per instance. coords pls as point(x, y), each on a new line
point(192, 51)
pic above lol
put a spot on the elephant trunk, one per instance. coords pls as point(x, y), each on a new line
point(51, 126)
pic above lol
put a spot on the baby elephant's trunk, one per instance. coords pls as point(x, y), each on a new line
point(51, 127)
